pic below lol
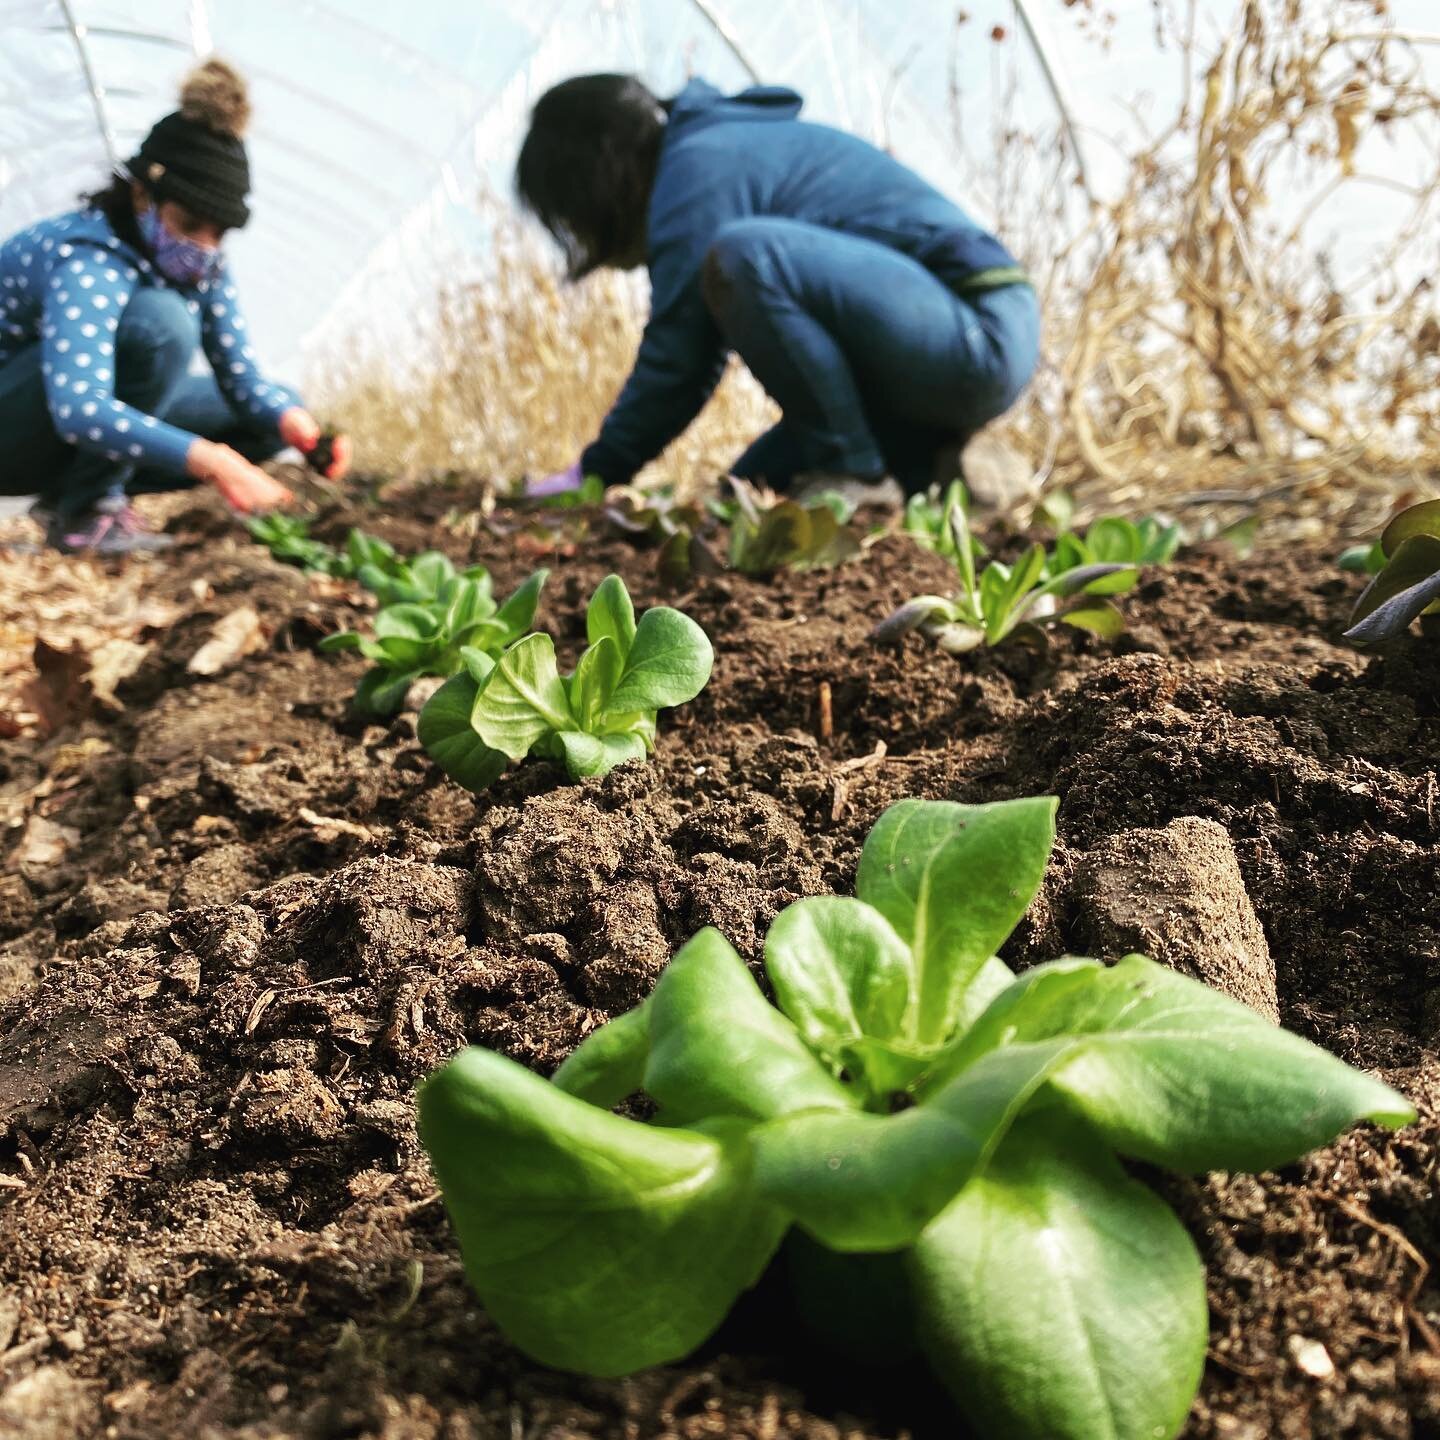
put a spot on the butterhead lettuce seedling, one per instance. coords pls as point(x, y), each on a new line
point(602, 713)
point(913, 1112)
point(457, 624)
point(1408, 582)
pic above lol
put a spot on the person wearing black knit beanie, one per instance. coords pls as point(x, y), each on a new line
point(101, 312)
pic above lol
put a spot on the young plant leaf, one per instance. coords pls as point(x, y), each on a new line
point(668, 662)
point(382, 692)
point(1407, 586)
point(1058, 1298)
point(910, 616)
point(523, 699)
point(841, 973)
point(1414, 520)
point(447, 734)
point(595, 679)
point(1101, 619)
point(862, 1182)
point(954, 881)
point(599, 1244)
point(718, 1047)
point(609, 1063)
point(597, 754)
point(517, 614)
point(1177, 1074)
point(611, 613)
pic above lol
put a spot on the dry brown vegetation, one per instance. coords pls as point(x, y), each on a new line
point(1199, 344)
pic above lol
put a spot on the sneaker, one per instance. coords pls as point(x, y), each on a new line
point(111, 527)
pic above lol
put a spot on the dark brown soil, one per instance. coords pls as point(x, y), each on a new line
point(274, 920)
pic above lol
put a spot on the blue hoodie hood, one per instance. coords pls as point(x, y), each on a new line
point(700, 104)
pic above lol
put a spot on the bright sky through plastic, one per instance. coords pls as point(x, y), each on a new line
point(377, 124)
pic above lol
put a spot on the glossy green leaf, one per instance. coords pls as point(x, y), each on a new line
point(1113, 540)
point(597, 754)
point(719, 1048)
point(429, 571)
point(609, 1063)
point(1177, 1074)
point(611, 613)
point(597, 1243)
point(478, 663)
point(594, 680)
point(382, 691)
point(406, 622)
point(450, 740)
point(954, 881)
point(1100, 619)
point(668, 663)
point(517, 614)
point(341, 640)
point(1421, 519)
point(523, 699)
point(863, 1182)
point(841, 972)
point(1059, 1299)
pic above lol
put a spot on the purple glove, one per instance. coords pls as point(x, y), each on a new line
point(563, 482)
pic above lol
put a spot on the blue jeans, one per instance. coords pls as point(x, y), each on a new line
point(878, 366)
point(153, 348)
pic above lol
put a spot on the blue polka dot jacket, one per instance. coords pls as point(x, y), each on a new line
point(64, 284)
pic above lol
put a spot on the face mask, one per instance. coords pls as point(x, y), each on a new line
point(176, 258)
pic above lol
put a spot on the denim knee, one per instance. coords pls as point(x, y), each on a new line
point(158, 334)
point(732, 260)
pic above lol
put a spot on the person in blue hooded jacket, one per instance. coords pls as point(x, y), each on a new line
point(886, 324)
point(102, 310)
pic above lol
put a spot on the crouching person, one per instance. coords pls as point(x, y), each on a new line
point(101, 312)
point(887, 325)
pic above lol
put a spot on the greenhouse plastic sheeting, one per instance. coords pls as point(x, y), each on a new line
point(378, 124)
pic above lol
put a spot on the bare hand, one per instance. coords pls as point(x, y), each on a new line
point(245, 487)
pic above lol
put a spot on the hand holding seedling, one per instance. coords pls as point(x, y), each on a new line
point(326, 452)
point(245, 487)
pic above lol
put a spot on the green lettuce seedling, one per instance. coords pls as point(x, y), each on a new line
point(1004, 602)
point(437, 635)
point(601, 714)
point(768, 533)
point(419, 581)
point(927, 521)
point(1408, 584)
point(287, 537)
point(934, 1133)
point(1116, 541)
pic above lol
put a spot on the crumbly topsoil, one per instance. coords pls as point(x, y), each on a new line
point(271, 920)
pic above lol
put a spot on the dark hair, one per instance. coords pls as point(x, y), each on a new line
point(588, 164)
point(116, 201)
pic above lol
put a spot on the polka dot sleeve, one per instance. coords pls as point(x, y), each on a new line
point(227, 346)
point(86, 293)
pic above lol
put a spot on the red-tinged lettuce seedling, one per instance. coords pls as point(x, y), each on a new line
point(1407, 583)
point(917, 1120)
point(456, 623)
point(502, 709)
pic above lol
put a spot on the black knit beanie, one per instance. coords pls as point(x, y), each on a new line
point(196, 156)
